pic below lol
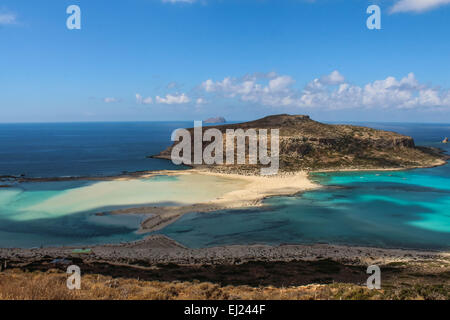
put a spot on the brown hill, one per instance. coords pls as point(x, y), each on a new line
point(306, 144)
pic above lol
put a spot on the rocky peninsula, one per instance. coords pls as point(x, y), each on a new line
point(308, 145)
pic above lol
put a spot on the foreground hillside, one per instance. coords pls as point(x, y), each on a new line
point(333, 281)
point(159, 268)
point(306, 144)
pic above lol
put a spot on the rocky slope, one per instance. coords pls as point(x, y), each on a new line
point(306, 144)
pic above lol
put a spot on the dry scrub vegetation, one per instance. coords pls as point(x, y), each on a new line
point(51, 285)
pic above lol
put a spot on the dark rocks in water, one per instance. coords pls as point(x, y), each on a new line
point(215, 120)
point(8, 177)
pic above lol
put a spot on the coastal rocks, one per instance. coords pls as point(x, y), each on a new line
point(9, 179)
point(158, 249)
point(405, 142)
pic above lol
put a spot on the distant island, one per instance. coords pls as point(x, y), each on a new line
point(308, 145)
point(215, 120)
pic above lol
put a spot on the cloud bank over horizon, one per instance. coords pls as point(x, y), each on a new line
point(330, 91)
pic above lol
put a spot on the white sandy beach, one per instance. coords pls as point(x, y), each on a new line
point(246, 191)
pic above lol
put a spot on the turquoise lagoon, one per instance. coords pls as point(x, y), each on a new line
point(397, 209)
point(66, 213)
point(407, 209)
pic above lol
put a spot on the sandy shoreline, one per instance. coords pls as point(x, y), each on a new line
point(249, 191)
point(159, 249)
point(149, 173)
point(437, 163)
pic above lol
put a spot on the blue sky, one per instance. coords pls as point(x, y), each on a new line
point(242, 59)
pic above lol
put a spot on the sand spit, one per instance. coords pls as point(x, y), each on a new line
point(436, 163)
point(248, 191)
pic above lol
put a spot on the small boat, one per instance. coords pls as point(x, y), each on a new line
point(445, 140)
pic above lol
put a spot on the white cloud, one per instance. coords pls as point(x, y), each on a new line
point(333, 78)
point(331, 92)
point(201, 101)
point(249, 89)
point(173, 99)
point(168, 99)
point(7, 18)
point(142, 100)
point(110, 100)
point(417, 5)
point(281, 83)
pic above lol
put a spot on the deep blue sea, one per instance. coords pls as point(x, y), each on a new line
point(83, 149)
point(408, 209)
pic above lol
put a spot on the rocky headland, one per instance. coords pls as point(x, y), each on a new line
point(308, 145)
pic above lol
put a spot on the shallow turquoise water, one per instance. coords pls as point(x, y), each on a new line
point(24, 224)
point(408, 209)
point(64, 213)
point(402, 209)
